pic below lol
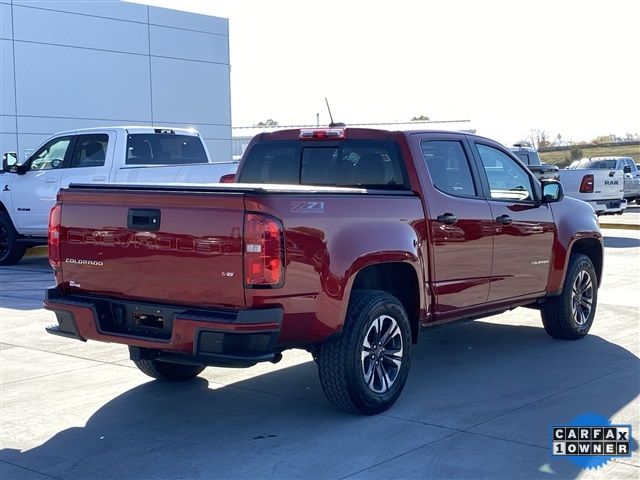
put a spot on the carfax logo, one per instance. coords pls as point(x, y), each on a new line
point(591, 441)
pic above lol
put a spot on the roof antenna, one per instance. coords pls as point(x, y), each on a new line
point(332, 124)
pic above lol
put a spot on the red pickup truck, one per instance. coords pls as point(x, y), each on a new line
point(342, 241)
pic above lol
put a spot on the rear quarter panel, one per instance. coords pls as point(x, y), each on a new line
point(329, 239)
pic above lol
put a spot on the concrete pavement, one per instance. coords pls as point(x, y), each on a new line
point(479, 403)
point(629, 220)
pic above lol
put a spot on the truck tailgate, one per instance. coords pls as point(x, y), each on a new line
point(607, 184)
point(177, 248)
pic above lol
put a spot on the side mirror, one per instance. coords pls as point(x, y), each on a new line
point(552, 191)
point(626, 169)
point(9, 162)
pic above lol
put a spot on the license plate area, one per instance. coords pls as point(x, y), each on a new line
point(138, 320)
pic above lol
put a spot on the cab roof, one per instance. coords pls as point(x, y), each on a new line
point(132, 129)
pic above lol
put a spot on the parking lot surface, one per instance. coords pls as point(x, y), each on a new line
point(479, 403)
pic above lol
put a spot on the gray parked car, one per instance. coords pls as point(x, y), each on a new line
point(529, 156)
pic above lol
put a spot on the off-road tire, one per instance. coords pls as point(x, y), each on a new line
point(11, 252)
point(340, 362)
point(172, 372)
point(556, 312)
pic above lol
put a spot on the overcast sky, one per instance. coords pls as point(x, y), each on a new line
point(568, 67)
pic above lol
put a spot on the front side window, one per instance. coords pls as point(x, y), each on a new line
point(507, 179)
point(631, 165)
point(90, 150)
point(164, 149)
point(51, 155)
point(448, 167)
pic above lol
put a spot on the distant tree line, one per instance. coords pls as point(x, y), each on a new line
point(541, 139)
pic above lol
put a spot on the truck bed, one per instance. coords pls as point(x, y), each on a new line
point(181, 244)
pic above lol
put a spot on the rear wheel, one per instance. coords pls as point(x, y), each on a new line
point(569, 316)
point(10, 251)
point(173, 372)
point(366, 368)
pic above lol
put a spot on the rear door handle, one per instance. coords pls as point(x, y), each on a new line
point(447, 219)
point(99, 179)
point(51, 180)
point(504, 219)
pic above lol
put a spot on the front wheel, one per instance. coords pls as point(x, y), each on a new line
point(172, 372)
point(366, 368)
point(569, 316)
point(11, 252)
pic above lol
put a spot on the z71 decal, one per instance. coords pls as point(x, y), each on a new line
point(307, 207)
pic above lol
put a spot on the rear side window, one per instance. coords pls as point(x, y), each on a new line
point(90, 151)
point(164, 149)
point(346, 164)
point(448, 167)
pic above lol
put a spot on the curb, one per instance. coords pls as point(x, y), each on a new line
point(42, 251)
point(620, 226)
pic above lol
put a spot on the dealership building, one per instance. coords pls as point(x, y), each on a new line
point(66, 65)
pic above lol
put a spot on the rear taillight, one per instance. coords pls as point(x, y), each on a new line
point(263, 251)
point(586, 186)
point(228, 178)
point(54, 236)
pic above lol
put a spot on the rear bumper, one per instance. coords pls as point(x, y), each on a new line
point(608, 207)
point(207, 336)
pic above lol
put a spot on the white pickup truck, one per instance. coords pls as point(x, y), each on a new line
point(94, 155)
point(602, 189)
point(625, 164)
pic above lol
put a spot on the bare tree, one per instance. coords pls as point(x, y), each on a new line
point(539, 138)
point(421, 118)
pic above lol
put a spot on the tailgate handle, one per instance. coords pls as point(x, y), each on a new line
point(147, 219)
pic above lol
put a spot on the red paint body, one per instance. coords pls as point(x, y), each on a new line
point(472, 268)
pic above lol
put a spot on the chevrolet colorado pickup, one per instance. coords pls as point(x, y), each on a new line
point(93, 155)
point(345, 242)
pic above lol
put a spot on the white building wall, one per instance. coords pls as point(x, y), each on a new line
point(76, 64)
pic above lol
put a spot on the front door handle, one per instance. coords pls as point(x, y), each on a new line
point(99, 179)
point(504, 219)
point(447, 219)
point(51, 180)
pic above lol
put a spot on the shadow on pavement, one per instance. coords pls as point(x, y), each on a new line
point(22, 285)
point(279, 424)
point(621, 242)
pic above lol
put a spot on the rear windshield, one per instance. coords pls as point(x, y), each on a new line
point(350, 163)
point(164, 149)
point(586, 163)
point(528, 158)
